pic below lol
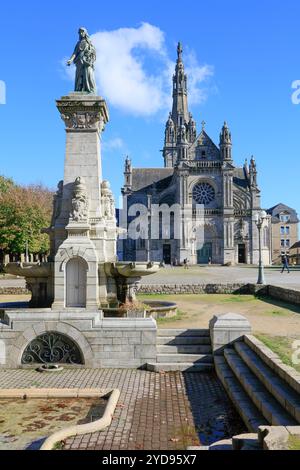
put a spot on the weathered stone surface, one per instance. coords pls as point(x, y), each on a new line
point(227, 328)
point(103, 342)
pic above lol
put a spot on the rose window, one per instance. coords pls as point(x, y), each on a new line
point(203, 193)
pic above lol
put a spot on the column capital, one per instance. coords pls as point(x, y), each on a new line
point(83, 112)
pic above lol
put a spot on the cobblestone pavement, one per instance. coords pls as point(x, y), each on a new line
point(166, 411)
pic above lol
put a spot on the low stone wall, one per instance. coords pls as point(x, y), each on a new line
point(103, 342)
point(194, 289)
point(281, 293)
point(14, 291)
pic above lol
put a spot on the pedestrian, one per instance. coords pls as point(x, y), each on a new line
point(185, 263)
point(285, 263)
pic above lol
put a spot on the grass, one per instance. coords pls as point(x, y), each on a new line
point(294, 443)
point(59, 445)
point(267, 306)
point(179, 316)
point(282, 346)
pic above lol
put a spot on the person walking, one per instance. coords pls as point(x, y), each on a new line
point(285, 263)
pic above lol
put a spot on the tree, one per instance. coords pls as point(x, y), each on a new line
point(24, 211)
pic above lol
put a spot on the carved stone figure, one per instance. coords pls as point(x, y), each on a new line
point(79, 201)
point(108, 203)
point(84, 57)
point(57, 202)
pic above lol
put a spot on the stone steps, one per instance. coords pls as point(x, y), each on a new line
point(288, 398)
point(241, 442)
point(183, 350)
point(269, 407)
point(179, 358)
point(182, 332)
point(183, 367)
point(182, 340)
point(250, 414)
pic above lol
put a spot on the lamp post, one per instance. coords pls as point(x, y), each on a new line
point(259, 220)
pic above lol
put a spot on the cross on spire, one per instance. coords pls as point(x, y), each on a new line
point(203, 124)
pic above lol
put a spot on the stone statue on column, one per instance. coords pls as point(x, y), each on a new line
point(84, 57)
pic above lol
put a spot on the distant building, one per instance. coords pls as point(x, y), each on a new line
point(295, 253)
point(284, 222)
point(196, 172)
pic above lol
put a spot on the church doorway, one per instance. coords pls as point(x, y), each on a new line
point(76, 270)
point(204, 255)
point(241, 253)
point(167, 253)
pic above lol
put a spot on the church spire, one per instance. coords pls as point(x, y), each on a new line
point(180, 113)
point(225, 142)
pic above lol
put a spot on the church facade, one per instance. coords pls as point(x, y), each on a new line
point(197, 173)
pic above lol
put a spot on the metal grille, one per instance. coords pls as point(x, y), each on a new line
point(52, 348)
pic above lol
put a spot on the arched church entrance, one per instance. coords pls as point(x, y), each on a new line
point(204, 255)
point(76, 277)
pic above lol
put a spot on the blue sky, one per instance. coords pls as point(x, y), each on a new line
point(242, 58)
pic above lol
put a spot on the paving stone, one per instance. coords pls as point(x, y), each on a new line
point(169, 411)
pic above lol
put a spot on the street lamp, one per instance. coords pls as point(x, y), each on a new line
point(259, 220)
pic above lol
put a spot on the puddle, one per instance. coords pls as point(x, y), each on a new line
point(25, 424)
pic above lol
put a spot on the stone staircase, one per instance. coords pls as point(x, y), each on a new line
point(183, 350)
point(264, 391)
point(240, 442)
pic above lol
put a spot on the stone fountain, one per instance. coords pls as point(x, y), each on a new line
point(82, 274)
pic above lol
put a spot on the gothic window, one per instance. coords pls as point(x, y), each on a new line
point(203, 193)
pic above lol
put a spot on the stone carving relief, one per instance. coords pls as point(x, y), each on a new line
point(107, 199)
point(81, 120)
point(80, 201)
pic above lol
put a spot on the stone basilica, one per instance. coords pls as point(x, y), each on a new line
point(197, 171)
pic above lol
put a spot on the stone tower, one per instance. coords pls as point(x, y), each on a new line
point(180, 124)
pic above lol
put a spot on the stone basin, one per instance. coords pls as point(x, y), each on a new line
point(28, 269)
point(131, 268)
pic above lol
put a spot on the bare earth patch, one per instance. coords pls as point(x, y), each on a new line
point(267, 316)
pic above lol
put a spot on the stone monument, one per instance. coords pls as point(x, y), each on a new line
point(82, 274)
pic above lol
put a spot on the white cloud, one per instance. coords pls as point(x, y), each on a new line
point(115, 143)
point(197, 74)
point(134, 71)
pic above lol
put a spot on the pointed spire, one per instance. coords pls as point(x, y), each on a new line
point(180, 113)
point(225, 142)
point(127, 174)
point(169, 132)
point(179, 51)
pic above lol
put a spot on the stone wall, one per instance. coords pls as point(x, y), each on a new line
point(288, 295)
point(103, 342)
point(194, 289)
point(14, 291)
